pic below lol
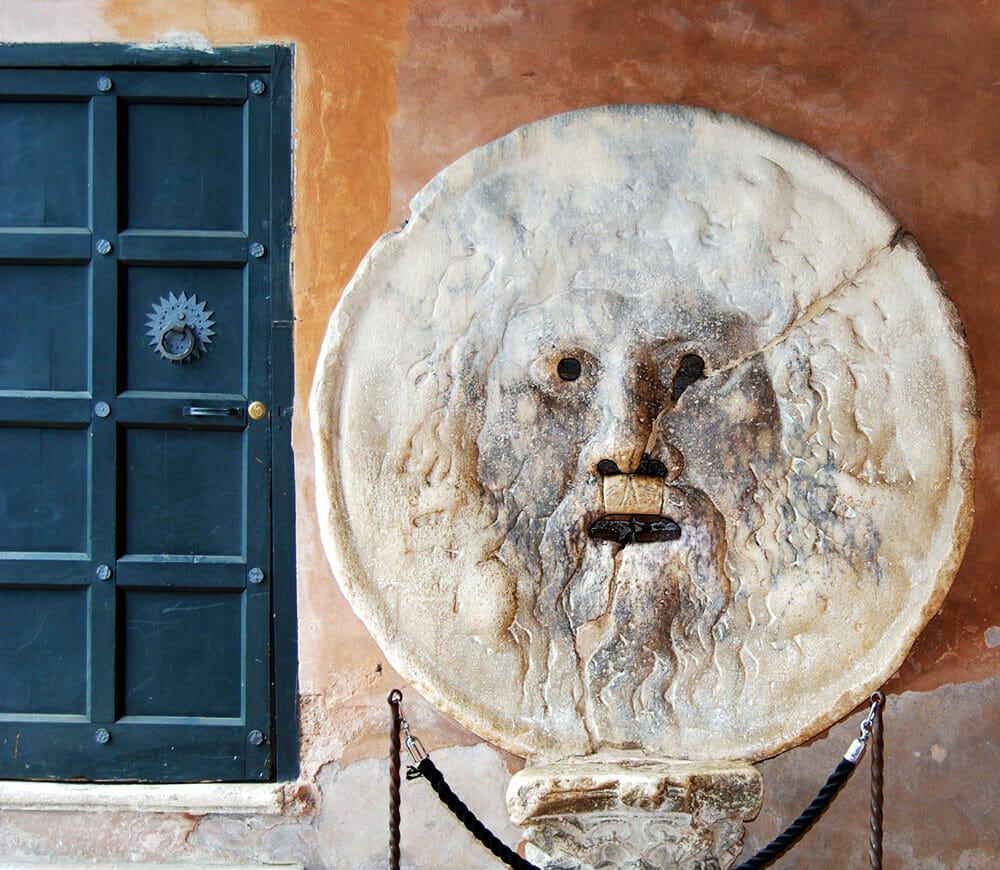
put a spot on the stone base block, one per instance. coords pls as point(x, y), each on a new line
point(638, 815)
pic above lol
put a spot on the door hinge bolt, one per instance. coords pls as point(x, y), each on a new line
point(102, 409)
point(102, 735)
point(104, 247)
point(104, 84)
point(257, 250)
point(103, 572)
point(255, 575)
point(255, 737)
point(257, 87)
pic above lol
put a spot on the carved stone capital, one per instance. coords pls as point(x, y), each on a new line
point(634, 814)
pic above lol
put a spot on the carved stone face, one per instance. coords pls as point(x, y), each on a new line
point(590, 424)
point(627, 441)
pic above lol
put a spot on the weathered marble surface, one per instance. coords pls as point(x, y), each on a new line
point(820, 472)
point(593, 814)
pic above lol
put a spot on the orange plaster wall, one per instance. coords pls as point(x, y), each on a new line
point(387, 92)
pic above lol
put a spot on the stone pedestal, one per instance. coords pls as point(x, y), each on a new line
point(586, 814)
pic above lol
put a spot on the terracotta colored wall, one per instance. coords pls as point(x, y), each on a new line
point(906, 96)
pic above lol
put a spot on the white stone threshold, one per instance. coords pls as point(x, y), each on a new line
point(197, 799)
point(21, 865)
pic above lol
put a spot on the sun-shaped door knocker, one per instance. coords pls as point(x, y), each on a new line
point(180, 328)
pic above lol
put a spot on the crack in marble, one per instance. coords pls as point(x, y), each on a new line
point(817, 308)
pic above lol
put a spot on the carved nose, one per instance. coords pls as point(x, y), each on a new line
point(623, 453)
point(632, 395)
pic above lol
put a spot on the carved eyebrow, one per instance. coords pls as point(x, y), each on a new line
point(660, 341)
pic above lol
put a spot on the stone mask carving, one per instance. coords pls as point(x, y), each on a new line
point(649, 433)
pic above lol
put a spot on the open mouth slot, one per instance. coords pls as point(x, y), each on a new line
point(634, 529)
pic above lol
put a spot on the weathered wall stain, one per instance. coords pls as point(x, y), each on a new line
point(904, 96)
point(939, 812)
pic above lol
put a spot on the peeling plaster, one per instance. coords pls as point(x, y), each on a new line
point(180, 39)
point(954, 725)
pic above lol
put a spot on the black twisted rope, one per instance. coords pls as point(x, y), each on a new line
point(877, 762)
point(763, 858)
point(794, 832)
point(395, 696)
point(428, 771)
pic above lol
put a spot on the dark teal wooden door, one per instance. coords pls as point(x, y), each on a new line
point(135, 535)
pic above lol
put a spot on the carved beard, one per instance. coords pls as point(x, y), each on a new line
point(604, 629)
point(666, 599)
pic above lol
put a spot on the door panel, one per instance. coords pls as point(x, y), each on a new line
point(183, 492)
point(185, 166)
point(135, 557)
point(222, 369)
point(50, 306)
point(46, 151)
point(43, 500)
point(180, 632)
point(43, 651)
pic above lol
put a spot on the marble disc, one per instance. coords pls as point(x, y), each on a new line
point(650, 432)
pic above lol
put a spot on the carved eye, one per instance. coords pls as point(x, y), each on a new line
point(692, 367)
point(569, 368)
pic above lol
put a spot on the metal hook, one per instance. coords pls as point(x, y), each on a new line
point(413, 744)
point(857, 747)
point(877, 700)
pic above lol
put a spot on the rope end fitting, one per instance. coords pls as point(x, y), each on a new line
point(857, 747)
point(855, 750)
point(414, 746)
